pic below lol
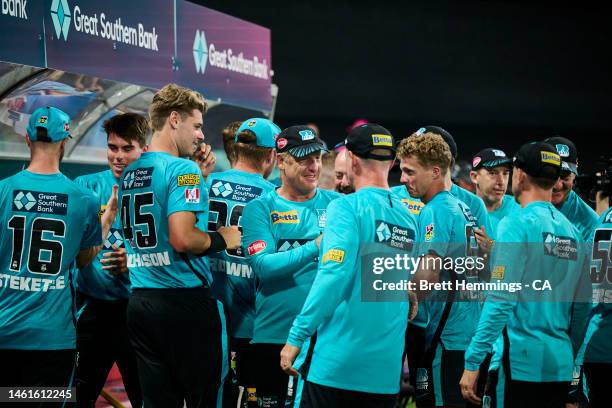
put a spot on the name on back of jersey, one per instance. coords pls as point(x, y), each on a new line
point(40, 202)
point(151, 259)
point(28, 284)
point(241, 193)
point(231, 268)
point(138, 178)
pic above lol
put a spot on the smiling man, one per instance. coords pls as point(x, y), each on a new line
point(282, 232)
point(491, 173)
point(103, 286)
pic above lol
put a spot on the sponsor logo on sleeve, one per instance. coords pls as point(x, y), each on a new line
point(284, 217)
point(412, 205)
point(334, 255)
point(429, 232)
point(191, 179)
point(498, 272)
point(192, 195)
point(256, 247)
point(551, 158)
point(382, 140)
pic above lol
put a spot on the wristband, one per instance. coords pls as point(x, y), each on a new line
point(217, 244)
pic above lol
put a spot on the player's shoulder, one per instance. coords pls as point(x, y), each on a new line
point(92, 178)
point(266, 201)
point(583, 208)
point(329, 195)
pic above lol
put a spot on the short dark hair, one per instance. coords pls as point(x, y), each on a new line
point(128, 126)
point(229, 134)
point(42, 135)
point(544, 183)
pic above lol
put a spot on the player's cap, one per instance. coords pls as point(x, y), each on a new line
point(56, 122)
point(299, 141)
point(265, 132)
point(568, 152)
point(539, 159)
point(448, 138)
point(363, 140)
point(490, 158)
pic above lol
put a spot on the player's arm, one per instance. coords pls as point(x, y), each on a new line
point(187, 196)
point(260, 246)
point(581, 307)
point(91, 244)
point(337, 266)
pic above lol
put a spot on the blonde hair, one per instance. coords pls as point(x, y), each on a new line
point(429, 148)
point(174, 98)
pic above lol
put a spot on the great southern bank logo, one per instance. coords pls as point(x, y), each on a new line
point(200, 51)
point(60, 15)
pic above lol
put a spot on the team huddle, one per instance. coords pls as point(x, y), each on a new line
point(226, 289)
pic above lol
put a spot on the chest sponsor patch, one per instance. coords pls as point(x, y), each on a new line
point(138, 178)
point(192, 195)
point(241, 193)
point(393, 235)
point(191, 179)
point(284, 217)
point(40, 202)
point(334, 255)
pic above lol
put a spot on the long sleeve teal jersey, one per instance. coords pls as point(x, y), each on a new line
point(47, 220)
point(598, 340)
point(359, 344)
point(92, 279)
point(476, 206)
point(233, 281)
point(541, 336)
point(279, 241)
point(151, 189)
point(446, 228)
point(507, 207)
point(580, 214)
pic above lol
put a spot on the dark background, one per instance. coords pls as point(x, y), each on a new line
point(495, 74)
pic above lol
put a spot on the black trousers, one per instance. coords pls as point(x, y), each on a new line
point(320, 396)
point(181, 345)
point(37, 368)
point(102, 340)
point(526, 394)
point(271, 381)
point(598, 380)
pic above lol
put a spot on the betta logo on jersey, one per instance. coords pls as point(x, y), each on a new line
point(192, 195)
point(256, 247)
point(188, 180)
point(382, 140)
point(138, 178)
point(413, 206)
point(284, 217)
point(429, 232)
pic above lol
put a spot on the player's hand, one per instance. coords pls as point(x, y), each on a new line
point(287, 356)
point(414, 305)
point(115, 262)
point(318, 241)
point(231, 235)
point(484, 242)
point(468, 383)
point(205, 158)
point(112, 207)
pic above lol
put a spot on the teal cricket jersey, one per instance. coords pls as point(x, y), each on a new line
point(151, 189)
point(542, 330)
point(359, 343)
point(506, 208)
point(446, 229)
point(233, 281)
point(47, 220)
point(414, 205)
point(476, 206)
point(92, 279)
point(598, 340)
point(279, 241)
point(580, 214)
